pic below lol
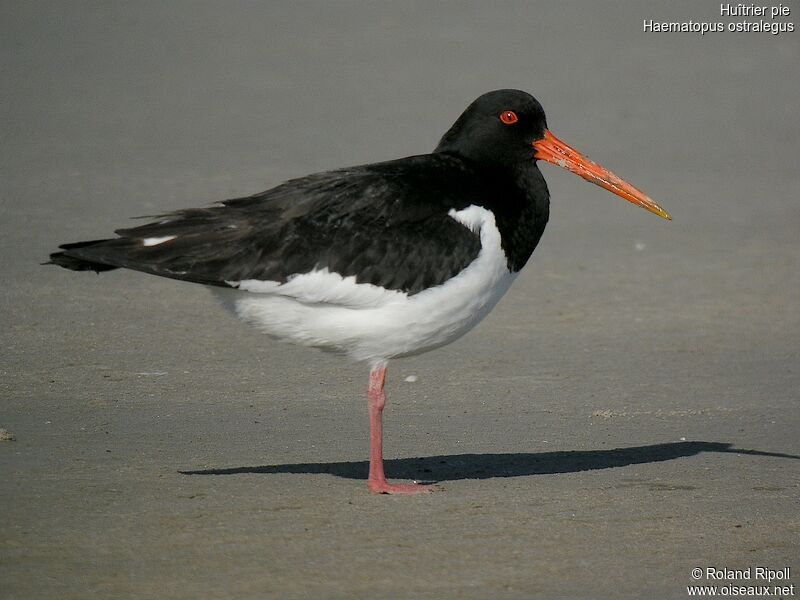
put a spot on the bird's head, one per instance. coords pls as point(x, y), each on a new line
point(508, 129)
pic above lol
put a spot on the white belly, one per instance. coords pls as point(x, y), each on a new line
point(368, 323)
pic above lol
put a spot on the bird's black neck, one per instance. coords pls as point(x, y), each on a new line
point(520, 201)
point(522, 217)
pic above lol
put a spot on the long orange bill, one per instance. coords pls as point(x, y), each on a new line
point(553, 150)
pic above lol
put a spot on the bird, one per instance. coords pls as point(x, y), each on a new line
point(377, 261)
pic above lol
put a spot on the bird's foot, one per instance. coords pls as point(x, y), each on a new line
point(381, 486)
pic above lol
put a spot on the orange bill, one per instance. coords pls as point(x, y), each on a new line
point(553, 150)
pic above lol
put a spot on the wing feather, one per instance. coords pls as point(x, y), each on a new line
point(385, 224)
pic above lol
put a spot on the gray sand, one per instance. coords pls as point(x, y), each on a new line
point(628, 412)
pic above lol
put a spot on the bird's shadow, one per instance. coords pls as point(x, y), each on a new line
point(451, 467)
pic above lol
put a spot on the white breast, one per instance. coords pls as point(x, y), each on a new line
point(369, 323)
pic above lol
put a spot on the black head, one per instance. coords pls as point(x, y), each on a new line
point(506, 130)
point(497, 129)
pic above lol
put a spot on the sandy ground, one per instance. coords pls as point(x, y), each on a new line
point(629, 412)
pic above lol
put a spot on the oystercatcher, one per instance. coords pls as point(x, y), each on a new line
point(377, 261)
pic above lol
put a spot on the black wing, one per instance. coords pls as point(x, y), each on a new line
point(386, 224)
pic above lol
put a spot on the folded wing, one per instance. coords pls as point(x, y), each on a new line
point(373, 223)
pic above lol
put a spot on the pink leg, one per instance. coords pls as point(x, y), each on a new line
point(377, 480)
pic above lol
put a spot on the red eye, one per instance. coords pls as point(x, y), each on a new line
point(509, 117)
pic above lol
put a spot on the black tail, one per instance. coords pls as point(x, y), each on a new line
point(63, 259)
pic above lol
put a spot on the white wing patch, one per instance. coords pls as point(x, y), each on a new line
point(155, 241)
